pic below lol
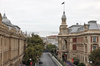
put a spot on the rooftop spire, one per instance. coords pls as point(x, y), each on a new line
point(4, 16)
point(63, 16)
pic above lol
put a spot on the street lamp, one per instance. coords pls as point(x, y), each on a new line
point(65, 56)
point(30, 61)
point(90, 62)
point(73, 58)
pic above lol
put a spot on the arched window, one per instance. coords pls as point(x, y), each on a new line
point(65, 43)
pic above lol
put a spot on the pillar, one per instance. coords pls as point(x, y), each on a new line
point(89, 45)
point(2, 48)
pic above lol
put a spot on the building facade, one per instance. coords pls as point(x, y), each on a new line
point(78, 40)
point(12, 43)
point(52, 39)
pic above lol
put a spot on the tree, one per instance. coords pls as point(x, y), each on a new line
point(81, 64)
point(51, 47)
point(34, 49)
point(95, 57)
point(29, 53)
point(76, 61)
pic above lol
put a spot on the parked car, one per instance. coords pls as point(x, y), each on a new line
point(40, 62)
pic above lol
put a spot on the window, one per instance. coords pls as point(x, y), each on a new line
point(74, 46)
point(94, 47)
point(94, 38)
point(74, 39)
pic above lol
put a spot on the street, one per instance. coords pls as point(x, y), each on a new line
point(47, 60)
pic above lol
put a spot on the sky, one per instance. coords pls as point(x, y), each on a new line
point(45, 15)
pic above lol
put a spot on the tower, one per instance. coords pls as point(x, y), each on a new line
point(63, 26)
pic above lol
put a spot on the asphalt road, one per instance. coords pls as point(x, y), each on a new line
point(47, 60)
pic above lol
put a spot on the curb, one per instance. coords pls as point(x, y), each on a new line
point(55, 60)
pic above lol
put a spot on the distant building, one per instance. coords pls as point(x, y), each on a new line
point(12, 43)
point(44, 41)
point(53, 39)
point(78, 40)
point(50, 40)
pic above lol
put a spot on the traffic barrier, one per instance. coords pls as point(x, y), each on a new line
point(55, 60)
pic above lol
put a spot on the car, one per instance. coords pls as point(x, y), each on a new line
point(40, 62)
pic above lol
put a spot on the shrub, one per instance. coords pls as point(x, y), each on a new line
point(81, 64)
point(76, 61)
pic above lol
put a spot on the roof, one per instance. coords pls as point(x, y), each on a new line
point(79, 28)
point(93, 25)
point(74, 28)
point(8, 22)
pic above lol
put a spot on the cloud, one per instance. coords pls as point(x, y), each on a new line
point(45, 15)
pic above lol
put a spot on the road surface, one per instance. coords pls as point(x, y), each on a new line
point(47, 60)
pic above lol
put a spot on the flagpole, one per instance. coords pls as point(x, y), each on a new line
point(64, 7)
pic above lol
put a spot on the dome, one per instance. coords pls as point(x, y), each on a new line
point(5, 20)
point(8, 23)
point(64, 16)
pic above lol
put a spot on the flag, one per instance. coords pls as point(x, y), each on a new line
point(63, 2)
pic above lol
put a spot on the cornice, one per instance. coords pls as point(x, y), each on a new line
point(89, 32)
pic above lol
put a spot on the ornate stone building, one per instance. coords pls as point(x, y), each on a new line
point(78, 40)
point(12, 43)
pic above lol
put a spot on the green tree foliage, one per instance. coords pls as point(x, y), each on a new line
point(95, 57)
point(29, 53)
point(81, 64)
point(76, 61)
point(51, 47)
point(34, 49)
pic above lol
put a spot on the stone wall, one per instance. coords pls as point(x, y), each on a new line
point(12, 45)
point(84, 45)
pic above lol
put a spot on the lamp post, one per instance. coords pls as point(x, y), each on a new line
point(65, 56)
point(73, 58)
point(90, 62)
point(30, 59)
point(30, 62)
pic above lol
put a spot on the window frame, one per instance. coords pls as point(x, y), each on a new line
point(94, 38)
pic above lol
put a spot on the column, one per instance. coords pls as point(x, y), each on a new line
point(84, 48)
point(89, 44)
point(2, 48)
point(99, 41)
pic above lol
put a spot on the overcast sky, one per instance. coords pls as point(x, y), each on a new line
point(45, 15)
